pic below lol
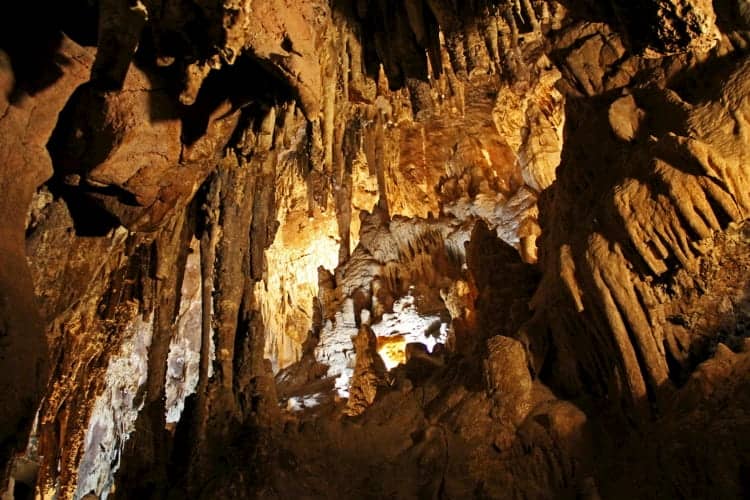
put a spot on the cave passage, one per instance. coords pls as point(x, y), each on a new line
point(279, 249)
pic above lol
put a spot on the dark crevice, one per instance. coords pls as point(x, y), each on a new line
point(248, 85)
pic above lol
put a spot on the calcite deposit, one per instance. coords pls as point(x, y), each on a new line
point(374, 249)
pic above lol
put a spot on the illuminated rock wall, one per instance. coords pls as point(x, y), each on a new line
point(203, 202)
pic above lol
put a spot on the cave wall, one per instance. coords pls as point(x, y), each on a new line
point(566, 179)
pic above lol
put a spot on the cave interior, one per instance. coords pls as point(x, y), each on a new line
point(434, 249)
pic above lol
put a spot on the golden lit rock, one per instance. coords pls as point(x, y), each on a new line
point(404, 249)
point(393, 350)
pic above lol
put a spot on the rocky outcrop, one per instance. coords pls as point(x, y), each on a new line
point(508, 378)
point(369, 373)
point(390, 249)
point(667, 27)
point(643, 245)
point(26, 126)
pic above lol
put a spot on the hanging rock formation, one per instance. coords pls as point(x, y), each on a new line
point(333, 249)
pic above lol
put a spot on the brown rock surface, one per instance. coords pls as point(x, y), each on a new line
point(369, 373)
point(25, 127)
point(219, 217)
point(508, 378)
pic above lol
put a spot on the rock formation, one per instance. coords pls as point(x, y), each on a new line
point(368, 249)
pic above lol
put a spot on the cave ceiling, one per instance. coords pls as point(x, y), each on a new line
point(375, 249)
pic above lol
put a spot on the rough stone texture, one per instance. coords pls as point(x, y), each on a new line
point(551, 196)
point(369, 373)
point(508, 378)
point(618, 260)
point(25, 127)
point(123, 149)
point(660, 27)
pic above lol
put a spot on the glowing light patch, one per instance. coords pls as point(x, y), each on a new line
point(300, 403)
point(486, 156)
point(405, 325)
point(287, 296)
point(392, 350)
point(304, 241)
point(335, 347)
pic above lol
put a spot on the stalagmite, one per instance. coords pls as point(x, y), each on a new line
point(374, 249)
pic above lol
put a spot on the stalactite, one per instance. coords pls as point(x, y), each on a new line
point(530, 14)
point(209, 241)
point(521, 201)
